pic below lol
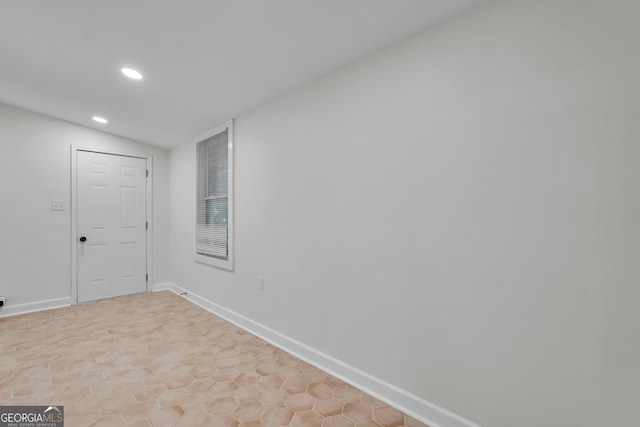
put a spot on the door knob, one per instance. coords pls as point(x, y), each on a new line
point(83, 239)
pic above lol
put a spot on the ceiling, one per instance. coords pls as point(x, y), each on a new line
point(203, 61)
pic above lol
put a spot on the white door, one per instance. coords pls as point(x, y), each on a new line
point(111, 225)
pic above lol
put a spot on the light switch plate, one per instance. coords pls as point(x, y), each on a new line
point(57, 205)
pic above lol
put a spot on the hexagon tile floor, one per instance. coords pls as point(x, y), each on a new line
point(158, 360)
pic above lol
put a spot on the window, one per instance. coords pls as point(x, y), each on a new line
point(214, 210)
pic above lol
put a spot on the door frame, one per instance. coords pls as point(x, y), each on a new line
point(74, 213)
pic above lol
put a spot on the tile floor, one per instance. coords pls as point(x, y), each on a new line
point(158, 360)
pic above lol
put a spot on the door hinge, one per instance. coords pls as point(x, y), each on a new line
point(146, 225)
point(147, 173)
point(147, 278)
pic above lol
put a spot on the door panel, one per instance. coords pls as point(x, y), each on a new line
point(112, 215)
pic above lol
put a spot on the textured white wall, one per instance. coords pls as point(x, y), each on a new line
point(35, 245)
point(458, 215)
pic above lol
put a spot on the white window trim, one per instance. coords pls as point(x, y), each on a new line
point(217, 262)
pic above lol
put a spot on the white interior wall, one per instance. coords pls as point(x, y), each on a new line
point(457, 215)
point(35, 254)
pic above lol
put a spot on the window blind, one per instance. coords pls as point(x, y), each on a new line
point(212, 223)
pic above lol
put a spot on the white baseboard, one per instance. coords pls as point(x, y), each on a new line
point(409, 403)
point(14, 310)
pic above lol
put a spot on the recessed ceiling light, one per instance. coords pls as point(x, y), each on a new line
point(100, 119)
point(131, 73)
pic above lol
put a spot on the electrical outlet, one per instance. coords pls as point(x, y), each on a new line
point(261, 283)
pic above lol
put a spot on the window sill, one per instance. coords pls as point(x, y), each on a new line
point(215, 262)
